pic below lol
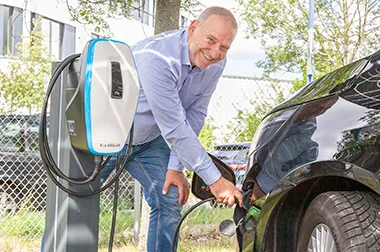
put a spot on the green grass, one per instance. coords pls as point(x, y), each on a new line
point(209, 215)
point(221, 244)
point(23, 224)
point(198, 232)
point(29, 225)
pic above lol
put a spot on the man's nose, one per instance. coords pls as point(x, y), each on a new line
point(215, 52)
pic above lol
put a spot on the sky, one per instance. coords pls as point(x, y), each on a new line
point(244, 53)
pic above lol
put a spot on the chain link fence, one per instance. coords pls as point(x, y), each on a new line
point(235, 110)
point(23, 185)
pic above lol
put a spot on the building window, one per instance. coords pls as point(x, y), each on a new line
point(59, 38)
point(68, 40)
point(142, 11)
point(10, 29)
point(136, 10)
point(183, 23)
point(50, 31)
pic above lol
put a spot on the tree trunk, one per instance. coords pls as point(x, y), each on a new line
point(167, 15)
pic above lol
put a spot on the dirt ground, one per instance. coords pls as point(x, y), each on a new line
point(14, 245)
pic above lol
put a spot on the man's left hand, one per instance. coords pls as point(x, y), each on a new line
point(178, 179)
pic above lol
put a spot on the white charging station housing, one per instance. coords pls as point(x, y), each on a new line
point(101, 111)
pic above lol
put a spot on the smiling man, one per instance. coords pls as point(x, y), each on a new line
point(178, 73)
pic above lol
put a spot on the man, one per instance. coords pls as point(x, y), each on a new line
point(178, 72)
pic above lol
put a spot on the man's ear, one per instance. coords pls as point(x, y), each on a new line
point(192, 26)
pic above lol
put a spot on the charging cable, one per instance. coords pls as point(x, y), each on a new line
point(52, 169)
point(184, 217)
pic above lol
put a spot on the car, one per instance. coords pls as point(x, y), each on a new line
point(312, 180)
point(235, 156)
point(22, 176)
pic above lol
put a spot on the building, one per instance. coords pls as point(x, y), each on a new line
point(61, 35)
point(64, 37)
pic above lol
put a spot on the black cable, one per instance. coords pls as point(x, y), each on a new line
point(47, 158)
point(46, 148)
point(183, 218)
point(52, 168)
point(114, 212)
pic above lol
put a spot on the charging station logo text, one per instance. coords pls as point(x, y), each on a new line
point(111, 145)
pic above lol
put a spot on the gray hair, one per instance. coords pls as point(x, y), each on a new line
point(216, 10)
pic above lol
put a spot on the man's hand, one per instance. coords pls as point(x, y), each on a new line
point(178, 179)
point(225, 192)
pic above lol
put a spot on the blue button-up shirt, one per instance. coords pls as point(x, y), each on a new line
point(173, 100)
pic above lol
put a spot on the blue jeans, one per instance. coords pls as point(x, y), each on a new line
point(148, 164)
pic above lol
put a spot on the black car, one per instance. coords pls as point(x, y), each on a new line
point(22, 176)
point(314, 168)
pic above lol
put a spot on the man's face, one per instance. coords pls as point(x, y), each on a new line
point(210, 40)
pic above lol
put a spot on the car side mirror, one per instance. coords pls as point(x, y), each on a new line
point(201, 190)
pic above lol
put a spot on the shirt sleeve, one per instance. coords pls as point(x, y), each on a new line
point(195, 115)
point(158, 79)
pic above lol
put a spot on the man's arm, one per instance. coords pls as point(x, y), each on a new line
point(158, 79)
point(195, 115)
point(224, 191)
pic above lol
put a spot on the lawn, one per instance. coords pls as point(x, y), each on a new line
point(199, 232)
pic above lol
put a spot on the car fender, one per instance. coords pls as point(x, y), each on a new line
point(307, 176)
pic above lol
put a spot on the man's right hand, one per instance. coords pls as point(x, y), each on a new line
point(225, 192)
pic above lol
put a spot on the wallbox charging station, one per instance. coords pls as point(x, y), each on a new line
point(93, 98)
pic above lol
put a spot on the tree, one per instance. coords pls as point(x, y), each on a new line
point(167, 15)
point(206, 136)
point(246, 122)
point(23, 85)
point(96, 13)
point(345, 30)
point(244, 125)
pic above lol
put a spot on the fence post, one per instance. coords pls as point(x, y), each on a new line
point(137, 211)
point(144, 225)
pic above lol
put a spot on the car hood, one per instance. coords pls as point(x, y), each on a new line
point(332, 83)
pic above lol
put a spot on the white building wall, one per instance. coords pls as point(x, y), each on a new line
point(232, 93)
point(129, 31)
